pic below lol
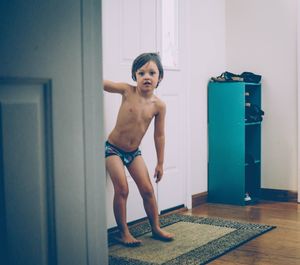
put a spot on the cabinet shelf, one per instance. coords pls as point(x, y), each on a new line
point(253, 123)
point(252, 84)
point(255, 162)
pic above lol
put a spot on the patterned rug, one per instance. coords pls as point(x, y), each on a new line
point(198, 240)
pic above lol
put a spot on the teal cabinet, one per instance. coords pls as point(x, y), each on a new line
point(234, 143)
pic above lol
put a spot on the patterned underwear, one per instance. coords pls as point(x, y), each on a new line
point(126, 157)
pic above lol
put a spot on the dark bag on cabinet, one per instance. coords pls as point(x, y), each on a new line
point(249, 77)
point(227, 77)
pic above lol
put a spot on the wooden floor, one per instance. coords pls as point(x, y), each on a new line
point(280, 246)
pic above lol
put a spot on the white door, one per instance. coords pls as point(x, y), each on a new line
point(173, 90)
point(52, 174)
point(130, 28)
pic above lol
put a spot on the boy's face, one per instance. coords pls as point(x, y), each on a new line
point(147, 77)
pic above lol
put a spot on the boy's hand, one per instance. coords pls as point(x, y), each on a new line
point(158, 173)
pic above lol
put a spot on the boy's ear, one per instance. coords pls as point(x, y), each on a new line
point(159, 80)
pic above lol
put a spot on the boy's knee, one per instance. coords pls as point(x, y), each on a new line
point(147, 194)
point(122, 192)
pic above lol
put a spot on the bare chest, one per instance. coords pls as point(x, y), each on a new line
point(136, 112)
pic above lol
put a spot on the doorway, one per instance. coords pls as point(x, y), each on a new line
point(127, 33)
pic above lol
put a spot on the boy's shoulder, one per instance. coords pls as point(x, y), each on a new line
point(131, 88)
point(161, 105)
point(128, 89)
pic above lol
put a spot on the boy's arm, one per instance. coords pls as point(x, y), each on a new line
point(114, 87)
point(159, 139)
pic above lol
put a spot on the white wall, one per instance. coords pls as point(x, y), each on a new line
point(207, 58)
point(261, 37)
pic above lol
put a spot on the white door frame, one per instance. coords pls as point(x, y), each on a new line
point(188, 159)
point(298, 72)
point(95, 181)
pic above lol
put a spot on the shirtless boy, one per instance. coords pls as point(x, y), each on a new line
point(139, 106)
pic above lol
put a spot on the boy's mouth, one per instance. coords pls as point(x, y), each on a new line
point(147, 83)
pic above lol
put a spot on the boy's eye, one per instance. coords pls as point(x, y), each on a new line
point(140, 73)
point(152, 73)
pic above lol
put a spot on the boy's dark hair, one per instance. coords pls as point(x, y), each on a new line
point(143, 59)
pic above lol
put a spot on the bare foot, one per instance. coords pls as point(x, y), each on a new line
point(162, 235)
point(128, 240)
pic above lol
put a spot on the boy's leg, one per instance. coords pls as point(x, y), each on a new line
point(140, 175)
point(115, 168)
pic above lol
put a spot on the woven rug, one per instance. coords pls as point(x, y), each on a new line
point(198, 240)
